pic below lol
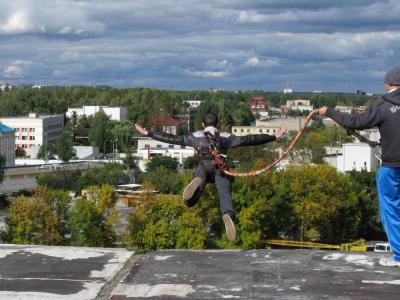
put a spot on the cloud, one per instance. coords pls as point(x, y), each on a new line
point(16, 68)
point(256, 62)
point(48, 17)
point(232, 44)
point(210, 74)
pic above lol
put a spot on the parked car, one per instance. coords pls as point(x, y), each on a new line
point(382, 247)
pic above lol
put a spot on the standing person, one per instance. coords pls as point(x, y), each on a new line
point(207, 171)
point(383, 113)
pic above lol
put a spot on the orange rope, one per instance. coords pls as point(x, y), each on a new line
point(275, 162)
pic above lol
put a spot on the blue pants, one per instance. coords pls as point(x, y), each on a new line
point(388, 184)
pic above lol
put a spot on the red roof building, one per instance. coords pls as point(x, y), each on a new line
point(258, 104)
point(170, 125)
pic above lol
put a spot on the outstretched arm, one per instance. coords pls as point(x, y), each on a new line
point(163, 137)
point(254, 139)
point(369, 119)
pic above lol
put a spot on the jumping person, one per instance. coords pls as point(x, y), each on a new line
point(207, 170)
point(383, 113)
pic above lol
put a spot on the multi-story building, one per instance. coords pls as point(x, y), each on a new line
point(258, 105)
point(246, 130)
point(353, 156)
point(115, 113)
point(299, 104)
point(35, 130)
point(285, 123)
point(7, 145)
point(148, 148)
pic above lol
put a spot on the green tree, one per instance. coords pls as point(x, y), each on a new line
point(165, 223)
point(111, 173)
point(164, 180)
point(100, 130)
point(92, 219)
point(64, 149)
point(170, 163)
point(191, 162)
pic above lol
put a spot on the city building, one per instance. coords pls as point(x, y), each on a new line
point(115, 113)
point(148, 148)
point(35, 130)
point(298, 104)
point(86, 152)
point(246, 130)
point(170, 125)
point(7, 145)
point(258, 106)
point(353, 156)
point(288, 123)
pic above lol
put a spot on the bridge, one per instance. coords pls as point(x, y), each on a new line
point(24, 177)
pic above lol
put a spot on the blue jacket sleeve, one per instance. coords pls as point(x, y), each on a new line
point(371, 118)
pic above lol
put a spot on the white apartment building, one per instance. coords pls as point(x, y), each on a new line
point(246, 130)
point(35, 130)
point(148, 148)
point(115, 113)
point(7, 145)
point(353, 156)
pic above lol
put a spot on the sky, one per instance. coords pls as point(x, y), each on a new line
point(332, 46)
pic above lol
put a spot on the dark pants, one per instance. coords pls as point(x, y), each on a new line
point(208, 173)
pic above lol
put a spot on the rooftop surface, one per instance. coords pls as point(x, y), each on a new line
point(259, 274)
point(37, 272)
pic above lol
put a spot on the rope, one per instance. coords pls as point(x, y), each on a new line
point(275, 162)
point(286, 152)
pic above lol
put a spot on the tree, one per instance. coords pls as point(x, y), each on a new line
point(64, 149)
point(99, 130)
point(164, 180)
point(170, 163)
point(111, 174)
point(165, 223)
point(191, 162)
point(47, 151)
point(20, 152)
point(92, 219)
point(40, 219)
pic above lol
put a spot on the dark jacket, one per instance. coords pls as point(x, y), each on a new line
point(383, 113)
point(198, 141)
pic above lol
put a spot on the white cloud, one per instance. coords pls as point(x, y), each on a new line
point(212, 74)
point(16, 23)
point(16, 68)
point(48, 17)
point(253, 61)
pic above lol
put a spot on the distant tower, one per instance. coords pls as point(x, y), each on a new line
point(287, 89)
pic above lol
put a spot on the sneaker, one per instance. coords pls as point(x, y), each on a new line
point(191, 188)
point(389, 262)
point(229, 227)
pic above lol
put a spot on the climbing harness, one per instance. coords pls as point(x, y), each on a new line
point(219, 159)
